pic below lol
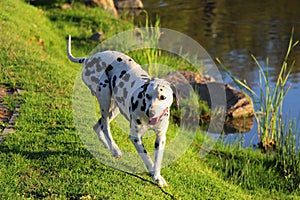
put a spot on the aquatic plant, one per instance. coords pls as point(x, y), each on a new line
point(269, 100)
point(277, 136)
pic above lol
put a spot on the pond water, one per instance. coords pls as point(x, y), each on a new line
point(232, 30)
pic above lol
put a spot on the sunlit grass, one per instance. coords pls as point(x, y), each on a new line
point(46, 158)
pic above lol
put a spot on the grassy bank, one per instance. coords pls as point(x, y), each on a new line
point(45, 158)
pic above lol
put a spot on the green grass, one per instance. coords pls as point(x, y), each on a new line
point(45, 158)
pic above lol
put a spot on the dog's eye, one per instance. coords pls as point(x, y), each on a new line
point(162, 97)
point(148, 96)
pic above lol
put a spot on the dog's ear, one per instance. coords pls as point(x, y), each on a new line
point(176, 96)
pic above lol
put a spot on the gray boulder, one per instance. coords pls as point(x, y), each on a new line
point(238, 104)
point(129, 4)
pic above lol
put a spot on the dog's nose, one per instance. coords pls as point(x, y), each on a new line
point(151, 113)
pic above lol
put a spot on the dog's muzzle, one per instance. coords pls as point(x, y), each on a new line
point(154, 120)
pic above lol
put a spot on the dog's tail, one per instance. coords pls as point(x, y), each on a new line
point(71, 57)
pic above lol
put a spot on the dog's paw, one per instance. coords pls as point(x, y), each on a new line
point(116, 152)
point(160, 180)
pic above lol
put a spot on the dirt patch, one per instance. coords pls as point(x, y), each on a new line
point(5, 113)
point(7, 116)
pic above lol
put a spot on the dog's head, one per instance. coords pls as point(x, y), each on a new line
point(159, 97)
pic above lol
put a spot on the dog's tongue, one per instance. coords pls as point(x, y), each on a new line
point(153, 121)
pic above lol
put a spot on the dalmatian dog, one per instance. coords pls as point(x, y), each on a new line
point(122, 86)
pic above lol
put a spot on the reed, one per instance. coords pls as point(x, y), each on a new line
point(268, 101)
point(278, 137)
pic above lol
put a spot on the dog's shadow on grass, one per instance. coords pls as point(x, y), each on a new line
point(67, 150)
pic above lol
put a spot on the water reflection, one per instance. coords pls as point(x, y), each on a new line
point(232, 30)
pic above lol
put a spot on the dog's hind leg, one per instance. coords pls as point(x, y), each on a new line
point(108, 111)
point(114, 111)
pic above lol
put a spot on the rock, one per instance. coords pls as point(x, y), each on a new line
point(196, 77)
point(105, 4)
point(66, 6)
point(181, 84)
point(129, 4)
point(7, 116)
point(238, 104)
point(97, 36)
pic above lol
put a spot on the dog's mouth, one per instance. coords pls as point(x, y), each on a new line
point(154, 121)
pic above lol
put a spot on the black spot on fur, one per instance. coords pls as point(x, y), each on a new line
point(120, 99)
point(135, 140)
point(122, 73)
point(106, 81)
point(121, 84)
point(138, 121)
point(145, 151)
point(146, 78)
point(131, 100)
point(126, 77)
point(129, 60)
point(140, 95)
point(81, 60)
point(103, 64)
point(145, 86)
point(104, 85)
point(116, 90)
point(133, 82)
point(114, 82)
point(143, 107)
point(95, 79)
point(119, 59)
point(125, 93)
point(109, 68)
point(147, 113)
point(156, 145)
point(135, 105)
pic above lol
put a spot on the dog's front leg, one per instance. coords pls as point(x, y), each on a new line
point(160, 143)
point(136, 139)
